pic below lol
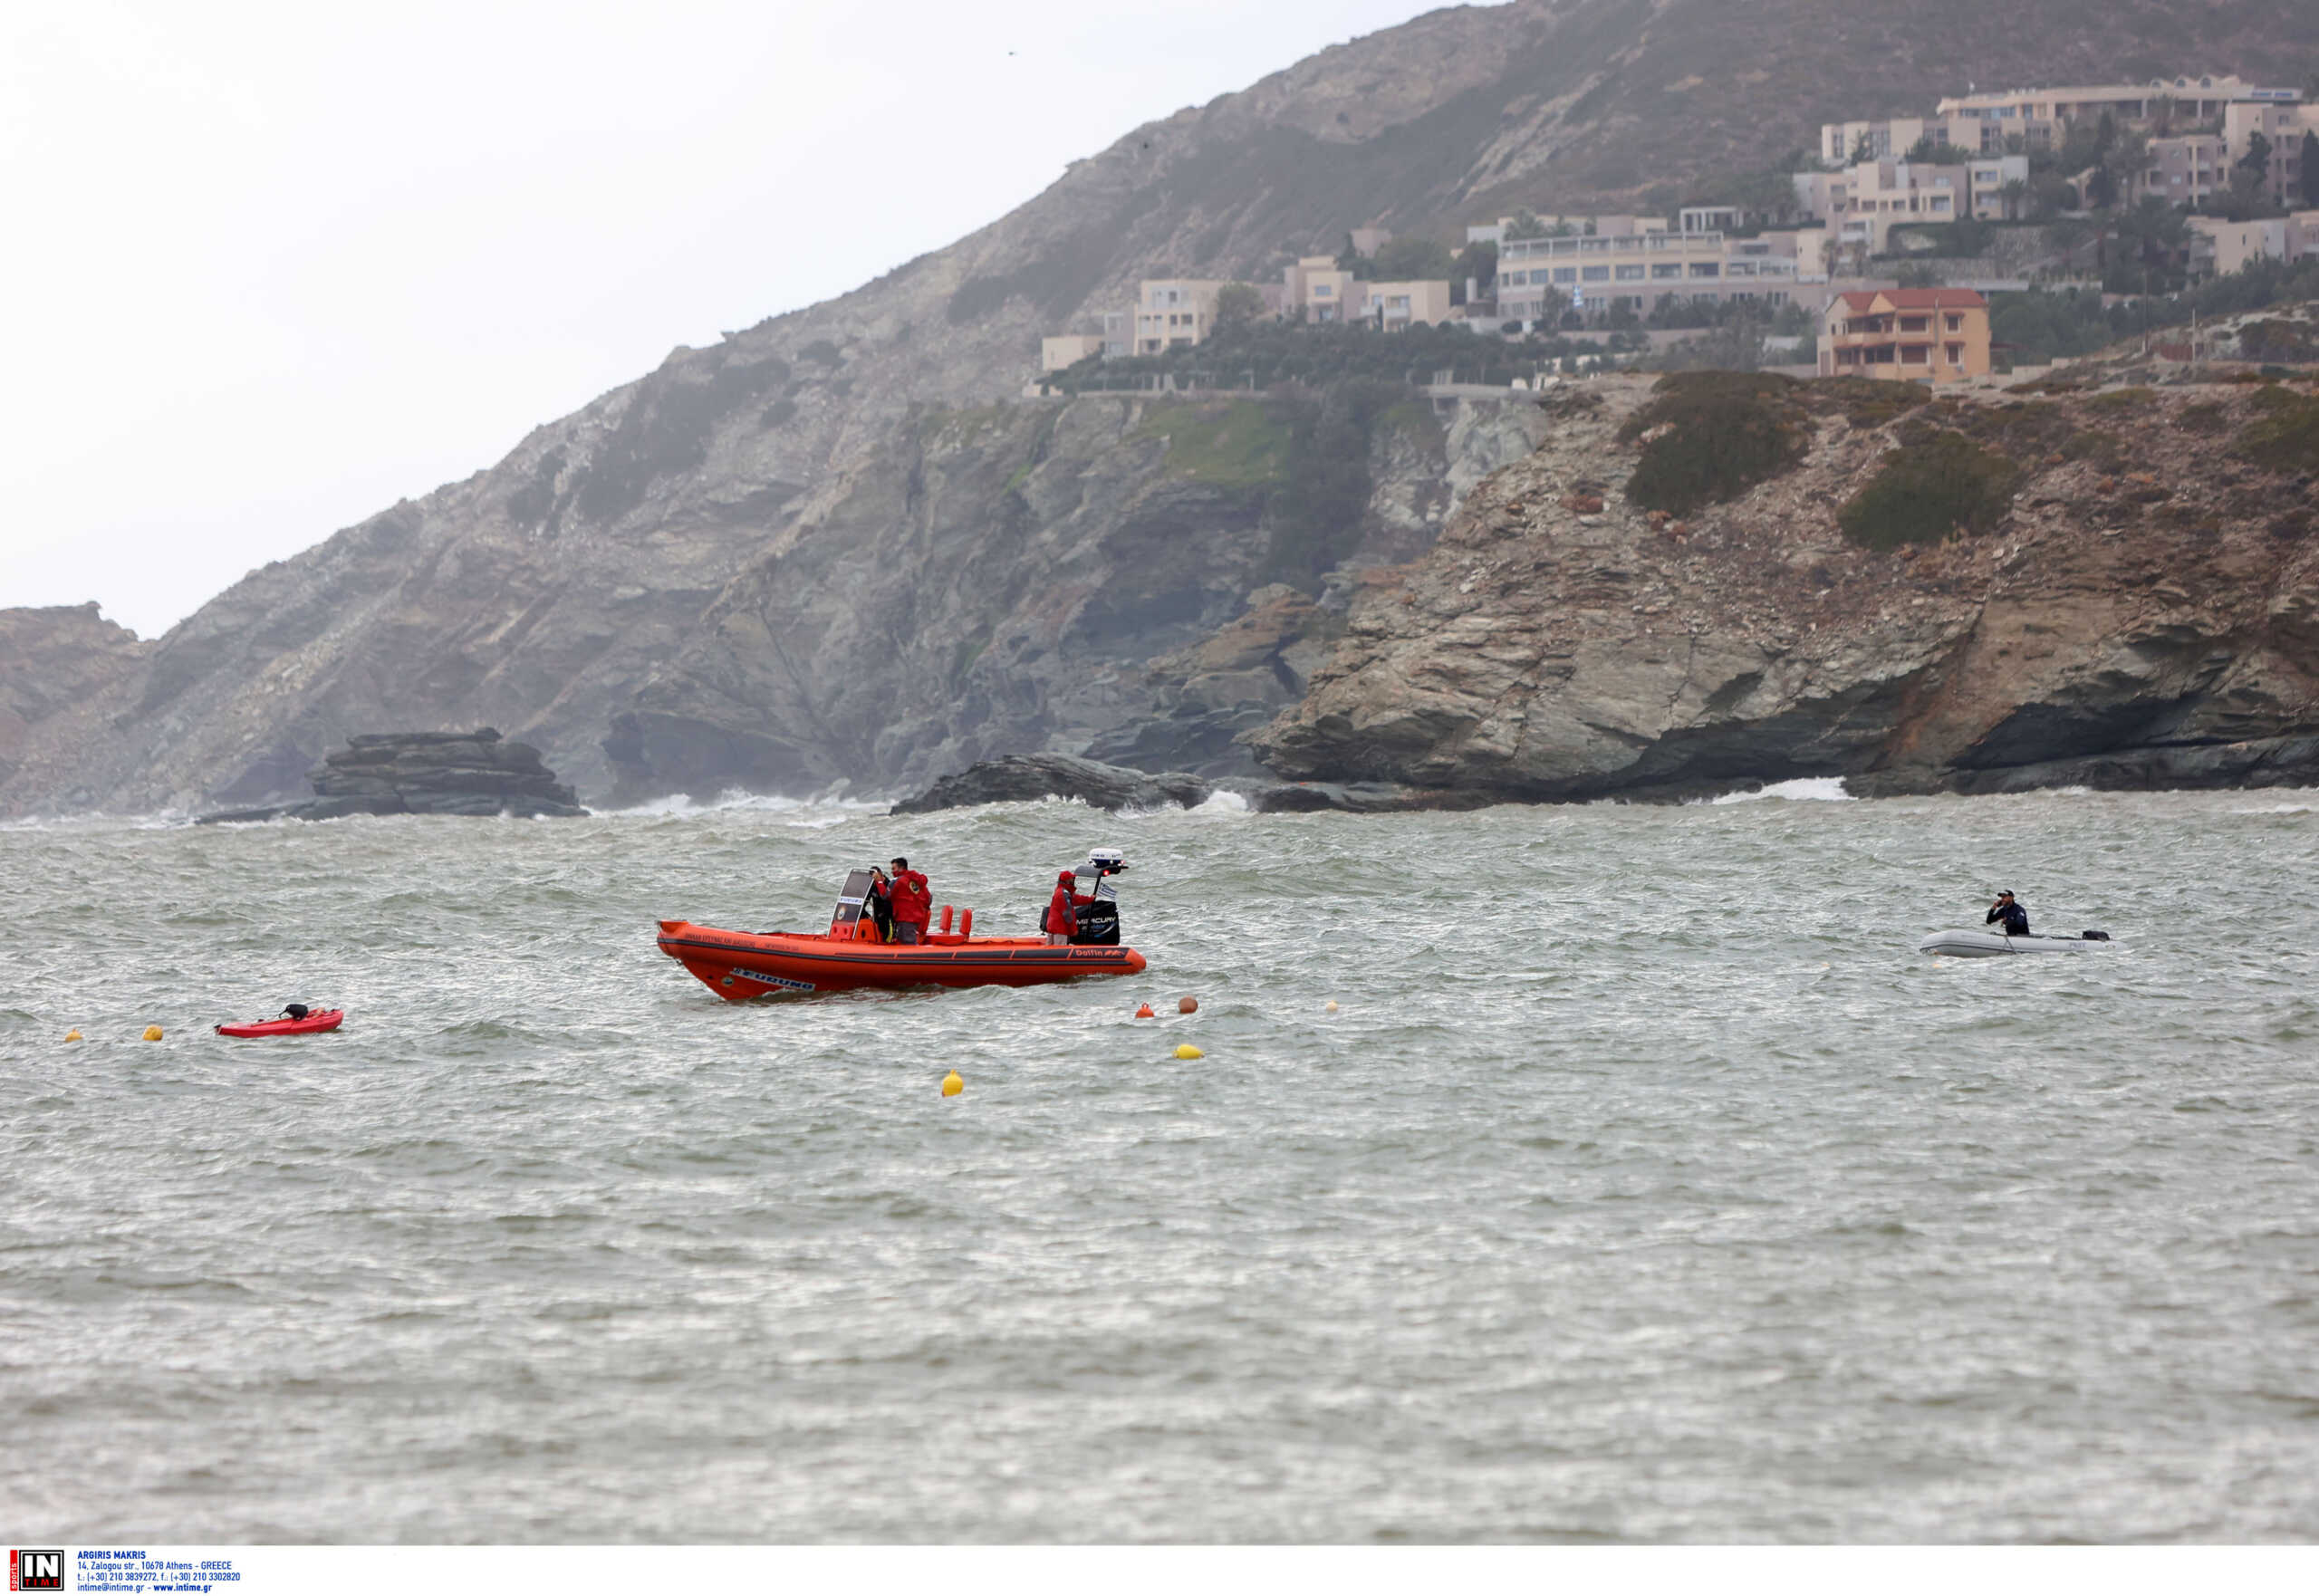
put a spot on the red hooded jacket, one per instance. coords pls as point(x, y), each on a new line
point(912, 902)
point(1063, 919)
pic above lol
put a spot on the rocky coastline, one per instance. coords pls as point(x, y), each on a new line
point(426, 773)
point(1031, 777)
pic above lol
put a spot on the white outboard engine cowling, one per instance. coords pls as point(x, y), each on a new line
point(1099, 922)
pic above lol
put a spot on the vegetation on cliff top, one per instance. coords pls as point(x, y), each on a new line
point(1308, 453)
point(1928, 489)
point(1236, 445)
point(2284, 436)
point(1265, 354)
point(1710, 436)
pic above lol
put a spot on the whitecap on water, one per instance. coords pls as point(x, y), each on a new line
point(1814, 789)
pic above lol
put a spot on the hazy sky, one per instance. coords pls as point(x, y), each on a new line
point(269, 269)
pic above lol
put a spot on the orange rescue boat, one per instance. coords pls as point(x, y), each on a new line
point(737, 965)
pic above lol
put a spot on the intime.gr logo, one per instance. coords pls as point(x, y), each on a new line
point(36, 1571)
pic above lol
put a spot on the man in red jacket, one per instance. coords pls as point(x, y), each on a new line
point(1062, 908)
point(913, 903)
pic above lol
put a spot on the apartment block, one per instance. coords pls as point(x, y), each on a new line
point(1896, 136)
point(2185, 170)
point(1316, 290)
point(1174, 312)
point(1602, 227)
point(2283, 126)
point(2218, 249)
point(1907, 335)
point(2043, 116)
point(1068, 349)
point(1861, 205)
point(1396, 305)
point(1605, 272)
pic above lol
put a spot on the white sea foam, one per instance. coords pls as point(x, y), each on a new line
point(1804, 789)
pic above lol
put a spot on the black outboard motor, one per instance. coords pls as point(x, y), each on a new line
point(1099, 922)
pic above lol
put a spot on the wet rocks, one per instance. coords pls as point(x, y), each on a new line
point(1028, 777)
point(1024, 777)
point(427, 773)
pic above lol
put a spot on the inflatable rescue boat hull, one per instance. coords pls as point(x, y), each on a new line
point(737, 965)
point(1996, 945)
point(322, 1020)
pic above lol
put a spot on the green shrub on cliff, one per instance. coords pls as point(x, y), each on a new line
point(2284, 435)
point(1927, 490)
point(1867, 401)
point(1238, 445)
point(1710, 436)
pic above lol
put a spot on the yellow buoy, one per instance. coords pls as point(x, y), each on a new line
point(952, 1084)
point(1187, 1051)
point(152, 1033)
point(1333, 1006)
point(72, 1035)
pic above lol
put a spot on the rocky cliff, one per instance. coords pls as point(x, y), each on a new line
point(1123, 576)
point(2115, 587)
point(554, 593)
point(54, 664)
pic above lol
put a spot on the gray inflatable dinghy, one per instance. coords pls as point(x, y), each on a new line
point(1997, 945)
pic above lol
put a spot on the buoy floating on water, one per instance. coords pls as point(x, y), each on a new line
point(72, 1035)
point(1143, 1012)
point(1188, 1005)
point(1333, 1006)
point(952, 1084)
point(1187, 1051)
point(152, 1033)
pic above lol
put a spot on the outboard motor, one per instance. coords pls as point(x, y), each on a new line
point(1099, 922)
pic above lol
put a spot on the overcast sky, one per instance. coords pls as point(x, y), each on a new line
point(269, 269)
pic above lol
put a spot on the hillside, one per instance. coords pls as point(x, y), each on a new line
point(543, 595)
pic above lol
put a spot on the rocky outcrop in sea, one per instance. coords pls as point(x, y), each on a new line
point(1029, 777)
point(427, 773)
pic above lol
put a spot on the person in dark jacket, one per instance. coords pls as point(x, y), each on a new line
point(913, 902)
point(880, 904)
point(1062, 909)
point(2015, 918)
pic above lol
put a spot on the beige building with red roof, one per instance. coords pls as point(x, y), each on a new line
point(1908, 334)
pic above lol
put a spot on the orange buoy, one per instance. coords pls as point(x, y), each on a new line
point(1144, 1013)
point(1188, 1005)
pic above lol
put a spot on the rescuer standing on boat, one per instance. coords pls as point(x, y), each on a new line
point(1062, 909)
point(912, 902)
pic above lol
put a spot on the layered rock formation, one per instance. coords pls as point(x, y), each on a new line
point(427, 772)
point(541, 594)
point(2139, 608)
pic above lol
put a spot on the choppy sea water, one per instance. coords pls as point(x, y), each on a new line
point(1645, 1184)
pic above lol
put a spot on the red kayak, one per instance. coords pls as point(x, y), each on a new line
point(320, 1020)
